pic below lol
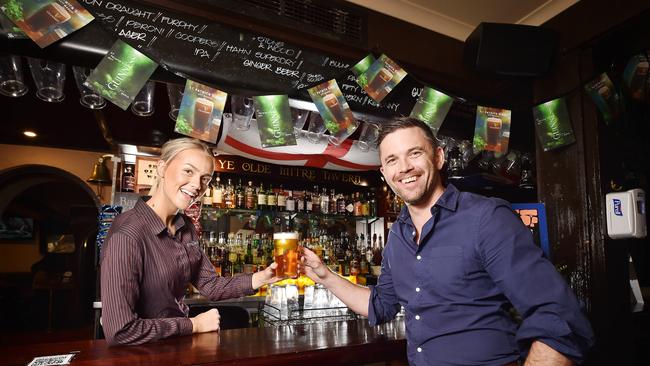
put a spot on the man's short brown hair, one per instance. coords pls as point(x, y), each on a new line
point(399, 123)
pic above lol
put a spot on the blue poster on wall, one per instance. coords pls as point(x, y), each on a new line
point(533, 215)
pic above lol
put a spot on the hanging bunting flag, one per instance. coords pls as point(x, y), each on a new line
point(607, 99)
point(200, 112)
point(347, 156)
point(45, 22)
point(553, 125)
point(492, 130)
point(363, 65)
point(274, 120)
point(121, 74)
point(334, 110)
point(381, 77)
point(635, 76)
point(432, 108)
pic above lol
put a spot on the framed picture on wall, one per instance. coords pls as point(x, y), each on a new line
point(533, 215)
point(16, 228)
point(145, 172)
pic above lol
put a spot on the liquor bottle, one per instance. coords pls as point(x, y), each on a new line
point(282, 199)
point(207, 196)
point(128, 178)
point(358, 210)
point(340, 204)
point(369, 250)
point(261, 197)
point(258, 254)
point(349, 205)
point(363, 260)
point(249, 196)
point(315, 200)
point(217, 193)
point(237, 257)
point(333, 209)
point(300, 202)
point(397, 205)
point(214, 259)
point(308, 202)
point(376, 255)
point(365, 209)
point(388, 201)
point(239, 195)
point(324, 202)
point(248, 258)
point(372, 204)
point(271, 199)
point(226, 265)
point(229, 195)
point(355, 265)
point(290, 203)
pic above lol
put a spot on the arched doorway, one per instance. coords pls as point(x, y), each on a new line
point(48, 280)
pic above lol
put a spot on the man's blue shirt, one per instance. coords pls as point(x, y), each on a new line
point(475, 258)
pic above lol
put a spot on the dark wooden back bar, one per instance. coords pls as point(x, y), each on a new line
point(334, 343)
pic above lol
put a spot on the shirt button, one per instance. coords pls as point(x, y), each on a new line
point(417, 289)
point(417, 317)
point(413, 233)
point(419, 257)
point(419, 349)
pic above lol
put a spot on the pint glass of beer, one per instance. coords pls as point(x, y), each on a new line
point(286, 254)
point(48, 16)
point(202, 113)
point(493, 133)
point(332, 103)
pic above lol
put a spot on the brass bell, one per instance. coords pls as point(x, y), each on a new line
point(100, 176)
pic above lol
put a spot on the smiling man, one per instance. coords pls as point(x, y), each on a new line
point(456, 261)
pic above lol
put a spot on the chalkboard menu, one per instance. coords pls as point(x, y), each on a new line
point(235, 60)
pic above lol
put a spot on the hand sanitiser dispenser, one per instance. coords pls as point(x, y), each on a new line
point(626, 214)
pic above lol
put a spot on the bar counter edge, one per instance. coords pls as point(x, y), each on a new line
point(351, 342)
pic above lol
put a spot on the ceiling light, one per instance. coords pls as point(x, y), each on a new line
point(29, 133)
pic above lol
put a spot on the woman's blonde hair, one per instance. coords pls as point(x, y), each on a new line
point(172, 148)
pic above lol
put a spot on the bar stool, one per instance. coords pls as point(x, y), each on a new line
point(98, 331)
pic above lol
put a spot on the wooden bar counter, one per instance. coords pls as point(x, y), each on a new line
point(336, 343)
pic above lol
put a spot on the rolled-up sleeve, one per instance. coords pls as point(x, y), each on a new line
point(549, 309)
point(121, 274)
point(383, 304)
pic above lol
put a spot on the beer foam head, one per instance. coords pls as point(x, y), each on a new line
point(285, 236)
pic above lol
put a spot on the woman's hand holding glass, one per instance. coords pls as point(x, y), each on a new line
point(266, 276)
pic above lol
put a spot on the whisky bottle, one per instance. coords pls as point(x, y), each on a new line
point(128, 179)
point(290, 203)
point(229, 195)
point(217, 193)
point(282, 199)
point(333, 210)
point(324, 202)
point(271, 199)
point(249, 196)
point(261, 197)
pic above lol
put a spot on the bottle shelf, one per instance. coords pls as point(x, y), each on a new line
point(218, 212)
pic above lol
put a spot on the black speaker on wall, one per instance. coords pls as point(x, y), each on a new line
point(510, 49)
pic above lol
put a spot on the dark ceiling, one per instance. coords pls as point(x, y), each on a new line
point(69, 125)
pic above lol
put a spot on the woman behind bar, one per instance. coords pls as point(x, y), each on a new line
point(151, 253)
